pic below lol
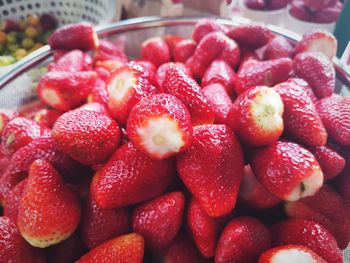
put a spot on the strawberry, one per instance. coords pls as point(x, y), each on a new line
point(98, 93)
point(204, 229)
point(99, 225)
point(18, 133)
point(186, 89)
point(47, 117)
point(277, 4)
point(147, 69)
point(29, 110)
point(318, 40)
point(4, 162)
point(122, 249)
point(242, 240)
point(204, 27)
point(73, 61)
point(301, 119)
point(5, 116)
point(13, 200)
point(87, 136)
point(107, 50)
point(13, 248)
point(58, 53)
point(287, 170)
point(130, 177)
point(159, 220)
point(291, 254)
point(94, 106)
point(172, 41)
point(217, 95)
point(343, 180)
point(328, 14)
point(230, 53)
point(331, 162)
point(8, 180)
point(256, 116)
point(300, 11)
point(248, 57)
point(220, 72)
point(110, 65)
point(250, 36)
point(155, 50)
point(265, 73)
point(102, 73)
point(316, 5)
point(326, 207)
point(160, 126)
point(212, 168)
point(335, 114)
point(125, 88)
point(255, 4)
point(65, 90)
point(253, 195)
point(278, 47)
point(161, 72)
point(40, 226)
point(305, 86)
point(309, 234)
point(317, 70)
point(184, 50)
point(74, 36)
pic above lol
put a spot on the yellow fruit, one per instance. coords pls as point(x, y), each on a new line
point(37, 45)
point(20, 53)
point(3, 36)
point(31, 32)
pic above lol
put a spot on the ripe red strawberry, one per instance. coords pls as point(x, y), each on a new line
point(328, 14)
point(291, 254)
point(287, 170)
point(47, 117)
point(230, 53)
point(87, 136)
point(204, 229)
point(98, 93)
point(147, 69)
point(250, 36)
point(326, 207)
point(172, 41)
point(300, 11)
point(161, 72)
point(212, 168)
point(335, 114)
point(160, 126)
point(331, 162)
point(277, 4)
point(343, 180)
point(102, 73)
point(204, 27)
point(253, 195)
point(256, 4)
point(40, 226)
point(74, 36)
point(184, 50)
point(305, 86)
point(316, 5)
point(159, 219)
point(18, 133)
point(300, 116)
point(220, 72)
point(4, 161)
point(73, 61)
point(242, 240)
point(278, 47)
point(122, 249)
point(156, 50)
point(99, 225)
point(217, 95)
point(29, 110)
point(186, 89)
point(130, 177)
point(13, 200)
point(96, 107)
point(65, 90)
point(125, 88)
point(309, 234)
point(5, 116)
point(107, 50)
point(318, 40)
point(256, 116)
point(58, 53)
point(265, 73)
point(109, 65)
point(13, 248)
point(317, 70)
point(248, 57)
point(8, 180)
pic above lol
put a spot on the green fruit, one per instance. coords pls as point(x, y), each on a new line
point(6, 60)
point(2, 48)
point(27, 43)
point(11, 38)
point(12, 47)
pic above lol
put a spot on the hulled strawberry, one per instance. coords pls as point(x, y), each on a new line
point(309, 234)
point(99, 225)
point(317, 70)
point(47, 117)
point(184, 50)
point(160, 126)
point(159, 220)
point(74, 36)
point(72, 61)
point(156, 50)
point(161, 72)
point(130, 177)
point(212, 168)
point(242, 240)
point(13, 200)
point(291, 254)
point(122, 249)
point(65, 90)
point(148, 71)
point(287, 170)
point(278, 47)
point(40, 226)
point(5, 116)
point(98, 93)
point(107, 50)
point(126, 87)
point(87, 136)
point(204, 27)
point(335, 114)
point(179, 84)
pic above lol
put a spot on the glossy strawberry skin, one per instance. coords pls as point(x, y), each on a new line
point(317, 70)
point(305, 86)
point(335, 114)
point(159, 219)
point(8, 180)
point(4, 162)
point(107, 50)
point(98, 93)
point(13, 200)
point(5, 116)
point(100, 134)
point(309, 234)
point(242, 240)
point(278, 47)
point(147, 70)
point(72, 61)
point(184, 50)
point(102, 73)
point(172, 41)
point(130, 177)
point(122, 249)
point(47, 117)
point(212, 168)
point(204, 27)
point(161, 72)
point(155, 50)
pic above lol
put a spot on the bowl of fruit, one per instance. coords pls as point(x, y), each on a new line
point(176, 140)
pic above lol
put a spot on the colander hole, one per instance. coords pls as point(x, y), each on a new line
point(30, 6)
point(5, 12)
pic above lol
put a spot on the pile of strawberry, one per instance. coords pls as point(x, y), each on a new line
point(229, 146)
